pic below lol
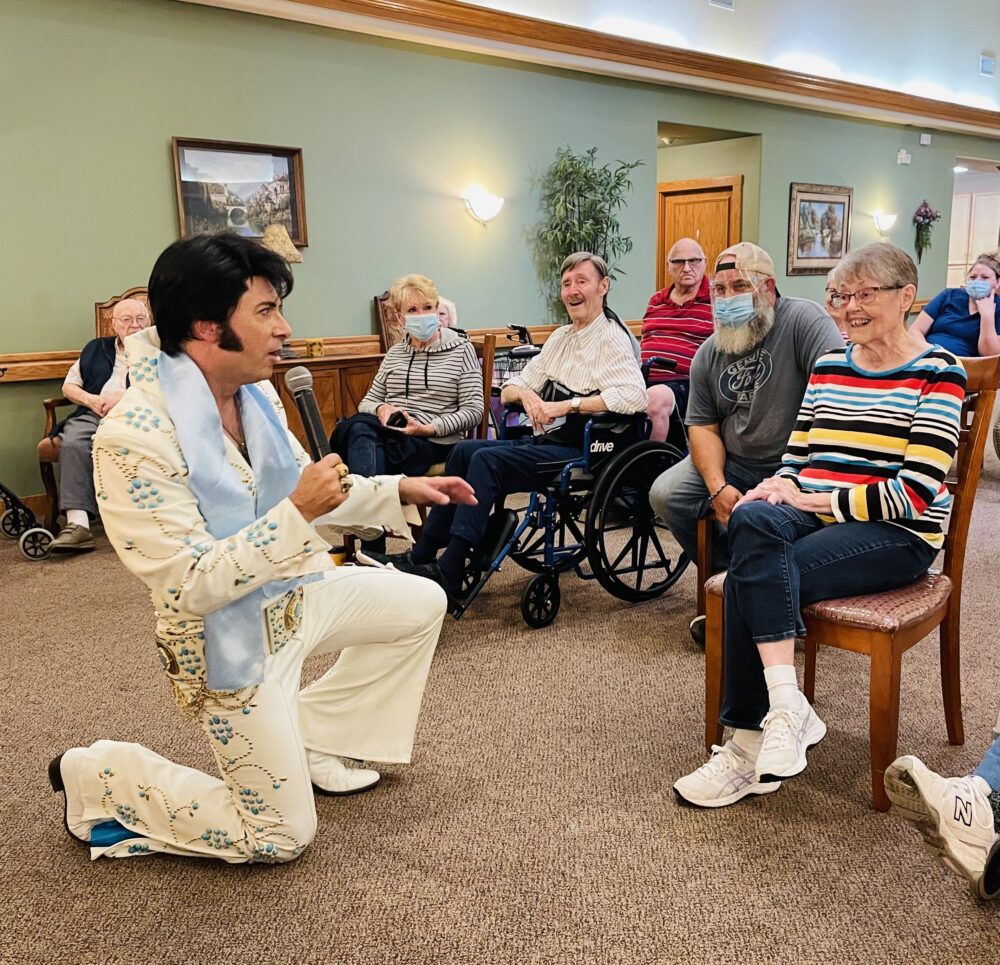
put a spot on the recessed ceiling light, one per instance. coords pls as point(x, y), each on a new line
point(960, 169)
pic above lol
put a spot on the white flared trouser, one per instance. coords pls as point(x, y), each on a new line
point(366, 707)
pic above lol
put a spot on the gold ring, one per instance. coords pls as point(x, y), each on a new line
point(345, 484)
point(342, 469)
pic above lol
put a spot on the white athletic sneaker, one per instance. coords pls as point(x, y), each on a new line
point(953, 813)
point(788, 734)
point(727, 777)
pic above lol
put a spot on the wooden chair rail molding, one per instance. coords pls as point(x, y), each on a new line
point(39, 366)
point(667, 64)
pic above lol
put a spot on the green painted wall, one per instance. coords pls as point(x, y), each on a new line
point(391, 133)
point(716, 159)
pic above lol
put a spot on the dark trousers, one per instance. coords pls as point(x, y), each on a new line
point(494, 468)
point(782, 559)
point(370, 449)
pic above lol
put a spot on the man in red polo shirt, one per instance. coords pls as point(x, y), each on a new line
point(677, 321)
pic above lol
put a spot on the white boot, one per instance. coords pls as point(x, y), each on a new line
point(330, 775)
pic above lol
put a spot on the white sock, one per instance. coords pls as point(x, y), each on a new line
point(748, 742)
point(78, 516)
point(783, 687)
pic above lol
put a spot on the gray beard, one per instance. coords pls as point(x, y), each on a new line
point(739, 341)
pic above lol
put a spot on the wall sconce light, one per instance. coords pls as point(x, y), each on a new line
point(883, 222)
point(482, 205)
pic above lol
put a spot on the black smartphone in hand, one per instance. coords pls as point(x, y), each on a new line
point(397, 420)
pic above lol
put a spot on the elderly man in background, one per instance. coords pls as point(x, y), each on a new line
point(747, 381)
point(95, 383)
point(677, 320)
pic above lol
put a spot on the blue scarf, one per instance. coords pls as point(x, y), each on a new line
point(234, 634)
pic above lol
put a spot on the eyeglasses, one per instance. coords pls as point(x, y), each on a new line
point(863, 296)
point(680, 262)
point(129, 320)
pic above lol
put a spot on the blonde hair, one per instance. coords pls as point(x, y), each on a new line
point(989, 259)
point(409, 286)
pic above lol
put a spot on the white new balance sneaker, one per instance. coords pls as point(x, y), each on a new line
point(727, 777)
point(953, 813)
point(788, 734)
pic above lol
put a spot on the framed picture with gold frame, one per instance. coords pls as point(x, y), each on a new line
point(224, 185)
point(819, 227)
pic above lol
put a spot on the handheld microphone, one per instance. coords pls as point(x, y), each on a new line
point(299, 382)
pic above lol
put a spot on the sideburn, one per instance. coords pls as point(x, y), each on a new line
point(229, 341)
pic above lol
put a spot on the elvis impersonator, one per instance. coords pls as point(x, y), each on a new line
point(208, 499)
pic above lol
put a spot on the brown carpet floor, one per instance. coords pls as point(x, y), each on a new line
point(536, 823)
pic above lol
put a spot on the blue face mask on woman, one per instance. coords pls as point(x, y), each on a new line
point(422, 327)
point(734, 312)
point(977, 288)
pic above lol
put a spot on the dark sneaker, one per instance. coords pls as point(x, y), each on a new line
point(72, 539)
point(697, 628)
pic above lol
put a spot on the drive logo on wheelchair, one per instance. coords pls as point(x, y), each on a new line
point(598, 446)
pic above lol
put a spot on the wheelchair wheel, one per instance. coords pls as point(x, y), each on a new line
point(530, 554)
point(540, 600)
point(15, 521)
point(632, 553)
point(35, 543)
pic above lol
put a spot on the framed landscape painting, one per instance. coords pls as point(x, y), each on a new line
point(223, 186)
point(819, 227)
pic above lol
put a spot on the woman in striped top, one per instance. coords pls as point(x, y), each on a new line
point(425, 397)
point(856, 507)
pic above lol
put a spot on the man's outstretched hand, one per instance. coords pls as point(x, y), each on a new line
point(435, 491)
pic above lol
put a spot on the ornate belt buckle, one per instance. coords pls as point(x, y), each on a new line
point(283, 618)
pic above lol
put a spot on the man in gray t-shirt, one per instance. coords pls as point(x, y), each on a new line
point(747, 383)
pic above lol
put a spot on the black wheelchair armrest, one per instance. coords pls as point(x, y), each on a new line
point(657, 362)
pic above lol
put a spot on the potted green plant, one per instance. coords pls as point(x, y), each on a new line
point(579, 202)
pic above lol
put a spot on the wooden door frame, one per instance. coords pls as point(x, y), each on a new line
point(695, 186)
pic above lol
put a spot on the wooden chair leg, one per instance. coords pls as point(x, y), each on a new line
point(951, 673)
point(350, 548)
point(704, 558)
point(809, 676)
point(714, 655)
point(883, 716)
point(52, 493)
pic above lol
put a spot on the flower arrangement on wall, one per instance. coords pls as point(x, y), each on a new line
point(924, 218)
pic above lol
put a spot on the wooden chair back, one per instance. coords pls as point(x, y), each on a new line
point(390, 329)
point(486, 352)
point(983, 375)
point(102, 310)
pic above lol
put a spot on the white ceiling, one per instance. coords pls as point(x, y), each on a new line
point(925, 47)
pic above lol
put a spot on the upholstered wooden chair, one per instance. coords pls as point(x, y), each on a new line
point(390, 329)
point(48, 447)
point(883, 626)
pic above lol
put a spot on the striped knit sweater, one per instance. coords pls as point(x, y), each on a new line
point(675, 331)
point(441, 384)
point(881, 441)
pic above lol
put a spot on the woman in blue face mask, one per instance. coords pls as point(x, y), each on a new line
point(426, 395)
point(964, 320)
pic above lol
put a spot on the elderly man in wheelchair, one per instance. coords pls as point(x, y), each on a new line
point(584, 398)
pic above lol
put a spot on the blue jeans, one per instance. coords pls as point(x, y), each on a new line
point(368, 453)
point(989, 767)
point(494, 468)
point(782, 559)
point(680, 499)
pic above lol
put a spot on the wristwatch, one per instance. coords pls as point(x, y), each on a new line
point(574, 403)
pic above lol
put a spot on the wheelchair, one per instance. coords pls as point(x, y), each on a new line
point(591, 516)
